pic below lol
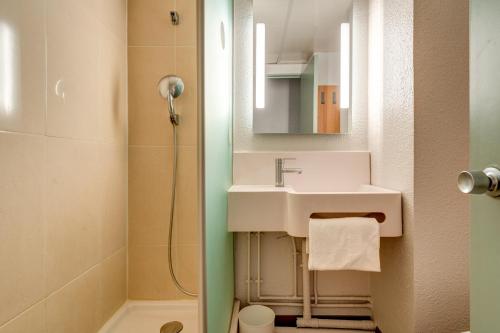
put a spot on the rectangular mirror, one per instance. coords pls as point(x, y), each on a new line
point(302, 73)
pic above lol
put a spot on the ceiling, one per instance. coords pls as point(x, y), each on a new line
point(295, 29)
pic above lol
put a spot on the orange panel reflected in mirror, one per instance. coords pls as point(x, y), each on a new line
point(328, 110)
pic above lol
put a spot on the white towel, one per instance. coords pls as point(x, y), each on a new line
point(350, 243)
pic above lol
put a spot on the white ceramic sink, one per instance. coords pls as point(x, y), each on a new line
point(268, 208)
point(331, 182)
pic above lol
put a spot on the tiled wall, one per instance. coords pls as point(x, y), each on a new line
point(63, 169)
point(157, 48)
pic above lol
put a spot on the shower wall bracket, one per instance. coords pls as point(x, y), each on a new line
point(174, 17)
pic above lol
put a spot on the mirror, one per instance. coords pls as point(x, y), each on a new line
point(302, 73)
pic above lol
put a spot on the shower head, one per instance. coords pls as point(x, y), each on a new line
point(171, 87)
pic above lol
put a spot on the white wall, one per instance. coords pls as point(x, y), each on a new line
point(418, 137)
point(244, 139)
point(277, 274)
point(328, 68)
point(274, 117)
point(417, 131)
point(391, 144)
point(354, 283)
point(441, 238)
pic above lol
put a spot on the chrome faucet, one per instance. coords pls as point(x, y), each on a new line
point(280, 170)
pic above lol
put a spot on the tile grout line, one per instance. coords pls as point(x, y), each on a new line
point(45, 298)
point(163, 46)
point(162, 146)
point(42, 135)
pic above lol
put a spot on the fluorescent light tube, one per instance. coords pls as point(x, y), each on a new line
point(260, 66)
point(345, 65)
point(7, 66)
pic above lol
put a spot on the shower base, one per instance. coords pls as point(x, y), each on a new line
point(149, 316)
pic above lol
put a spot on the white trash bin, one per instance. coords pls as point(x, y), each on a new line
point(256, 319)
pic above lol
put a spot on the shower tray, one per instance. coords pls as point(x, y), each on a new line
point(150, 316)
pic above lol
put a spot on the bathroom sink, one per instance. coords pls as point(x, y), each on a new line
point(289, 209)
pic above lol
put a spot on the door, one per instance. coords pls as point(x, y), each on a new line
point(485, 151)
point(321, 110)
point(328, 110)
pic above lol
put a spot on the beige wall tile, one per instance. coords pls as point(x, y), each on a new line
point(186, 104)
point(113, 15)
point(186, 215)
point(73, 209)
point(149, 122)
point(149, 22)
point(33, 320)
point(148, 113)
point(148, 273)
point(73, 58)
point(150, 170)
point(150, 176)
point(185, 33)
point(64, 190)
point(113, 283)
point(21, 222)
point(113, 188)
point(76, 307)
point(150, 153)
point(112, 115)
point(187, 266)
point(22, 97)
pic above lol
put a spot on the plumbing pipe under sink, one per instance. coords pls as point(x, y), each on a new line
point(359, 302)
point(308, 321)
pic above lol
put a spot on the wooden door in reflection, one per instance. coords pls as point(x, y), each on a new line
point(328, 110)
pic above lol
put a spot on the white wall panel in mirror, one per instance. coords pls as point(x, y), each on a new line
point(302, 68)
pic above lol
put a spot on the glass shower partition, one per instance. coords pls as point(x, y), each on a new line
point(217, 150)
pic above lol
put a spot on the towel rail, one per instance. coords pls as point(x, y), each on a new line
point(380, 217)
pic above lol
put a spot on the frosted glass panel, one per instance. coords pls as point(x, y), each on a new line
point(219, 283)
point(485, 119)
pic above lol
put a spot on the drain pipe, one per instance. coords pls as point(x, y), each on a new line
point(306, 285)
point(307, 321)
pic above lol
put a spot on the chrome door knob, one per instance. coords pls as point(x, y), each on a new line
point(479, 182)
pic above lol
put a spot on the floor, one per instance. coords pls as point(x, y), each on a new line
point(149, 316)
point(314, 330)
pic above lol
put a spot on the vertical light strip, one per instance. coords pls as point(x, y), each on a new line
point(375, 73)
point(345, 65)
point(260, 66)
point(6, 69)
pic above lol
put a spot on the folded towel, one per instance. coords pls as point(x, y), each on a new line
point(350, 243)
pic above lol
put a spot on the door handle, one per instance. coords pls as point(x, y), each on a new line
point(480, 182)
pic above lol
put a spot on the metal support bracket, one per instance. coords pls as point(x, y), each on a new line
point(174, 17)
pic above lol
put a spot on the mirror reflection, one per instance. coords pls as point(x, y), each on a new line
point(302, 76)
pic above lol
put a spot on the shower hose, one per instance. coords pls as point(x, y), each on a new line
point(171, 225)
